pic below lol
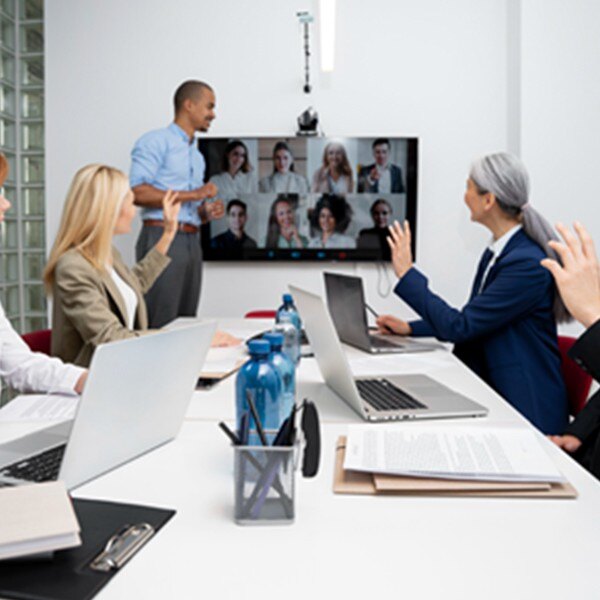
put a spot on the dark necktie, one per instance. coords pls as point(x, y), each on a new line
point(483, 263)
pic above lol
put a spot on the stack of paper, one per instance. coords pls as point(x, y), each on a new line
point(37, 518)
point(443, 459)
point(40, 407)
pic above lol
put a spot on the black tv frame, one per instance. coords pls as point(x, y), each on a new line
point(318, 254)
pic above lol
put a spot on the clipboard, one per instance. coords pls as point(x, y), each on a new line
point(355, 482)
point(69, 574)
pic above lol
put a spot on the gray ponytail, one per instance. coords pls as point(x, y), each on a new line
point(505, 176)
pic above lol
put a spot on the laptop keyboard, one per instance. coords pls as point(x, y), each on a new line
point(41, 467)
point(382, 394)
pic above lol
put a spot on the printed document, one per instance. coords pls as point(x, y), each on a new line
point(450, 452)
point(40, 407)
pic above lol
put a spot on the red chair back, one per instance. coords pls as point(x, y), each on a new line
point(260, 314)
point(39, 341)
point(577, 381)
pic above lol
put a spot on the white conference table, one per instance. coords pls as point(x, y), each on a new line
point(349, 546)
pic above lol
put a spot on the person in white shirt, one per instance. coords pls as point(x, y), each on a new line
point(331, 217)
point(334, 176)
point(283, 180)
point(21, 368)
point(237, 175)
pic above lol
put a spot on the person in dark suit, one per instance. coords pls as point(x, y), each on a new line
point(376, 237)
point(235, 239)
point(506, 333)
point(382, 176)
point(578, 282)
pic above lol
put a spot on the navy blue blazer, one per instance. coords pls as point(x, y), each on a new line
point(506, 334)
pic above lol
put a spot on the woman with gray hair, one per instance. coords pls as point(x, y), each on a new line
point(506, 333)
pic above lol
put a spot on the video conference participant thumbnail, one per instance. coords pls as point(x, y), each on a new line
point(375, 237)
point(237, 174)
point(381, 176)
point(283, 179)
point(329, 219)
point(235, 238)
point(335, 175)
point(282, 228)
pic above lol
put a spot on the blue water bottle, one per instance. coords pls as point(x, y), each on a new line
point(288, 312)
point(259, 377)
point(287, 370)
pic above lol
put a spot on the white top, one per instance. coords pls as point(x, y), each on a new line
point(231, 187)
point(335, 240)
point(496, 247)
point(29, 371)
point(131, 301)
point(385, 179)
point(282, 183)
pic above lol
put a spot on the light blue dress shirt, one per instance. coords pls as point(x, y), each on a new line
point(165, 159)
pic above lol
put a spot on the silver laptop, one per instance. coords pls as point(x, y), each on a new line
point(135, 399)
point(346, 300)
point(382, 398)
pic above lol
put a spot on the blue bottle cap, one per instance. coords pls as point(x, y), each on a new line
point(274, 338)
point(259, 347)
point(287, 298)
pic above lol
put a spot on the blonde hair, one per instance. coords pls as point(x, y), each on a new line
point(88, 219)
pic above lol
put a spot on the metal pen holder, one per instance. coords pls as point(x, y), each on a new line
point(264, 484)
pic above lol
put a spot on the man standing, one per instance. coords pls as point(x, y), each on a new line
point(235, 238)
point(169, 159)
point(381, 177)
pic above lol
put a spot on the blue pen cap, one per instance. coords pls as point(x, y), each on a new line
point(275, 339)
point(287, 298)
point(259, 347)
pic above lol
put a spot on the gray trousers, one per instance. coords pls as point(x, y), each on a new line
point(177, 291)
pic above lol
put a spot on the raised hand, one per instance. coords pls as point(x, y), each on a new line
point(577, 279)
point(399, 242)
point(214, 210)
point(170, 208)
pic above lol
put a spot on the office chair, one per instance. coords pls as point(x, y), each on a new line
point(577, 381)
point(39, 341)
point(260, 314)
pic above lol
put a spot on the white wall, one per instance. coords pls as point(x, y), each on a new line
point(560, 104)
point(432, 68)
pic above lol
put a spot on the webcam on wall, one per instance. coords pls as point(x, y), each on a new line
point(308, 122)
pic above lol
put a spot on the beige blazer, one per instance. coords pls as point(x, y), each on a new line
point(88, 308)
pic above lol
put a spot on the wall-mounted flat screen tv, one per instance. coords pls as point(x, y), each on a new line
point(309, 198)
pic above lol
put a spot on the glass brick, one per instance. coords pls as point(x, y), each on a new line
point(33, 169)
point(33, 202)
point(32, 136)
point(32, 70)
point(33, 234)
point(9, 267)
point(32, 104)
point(32, 37)
point(31, 9)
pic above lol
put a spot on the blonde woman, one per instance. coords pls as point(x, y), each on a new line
point(334, 176)
point(96, 297)
point(21, 368)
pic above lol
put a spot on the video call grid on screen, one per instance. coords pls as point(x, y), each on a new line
point(309, 198)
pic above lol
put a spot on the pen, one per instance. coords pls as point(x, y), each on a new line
point(372, 311)
point(234, 438)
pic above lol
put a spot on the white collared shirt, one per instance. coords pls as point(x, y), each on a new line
point(385, 179)
point(496, 247)
point(29, 371)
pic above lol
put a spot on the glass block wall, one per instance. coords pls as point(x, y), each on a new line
point(22, 243)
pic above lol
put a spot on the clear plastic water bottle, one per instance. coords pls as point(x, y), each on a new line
point(287, 370)
point(288, 312)
point(291, 339)
point(259, 377)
